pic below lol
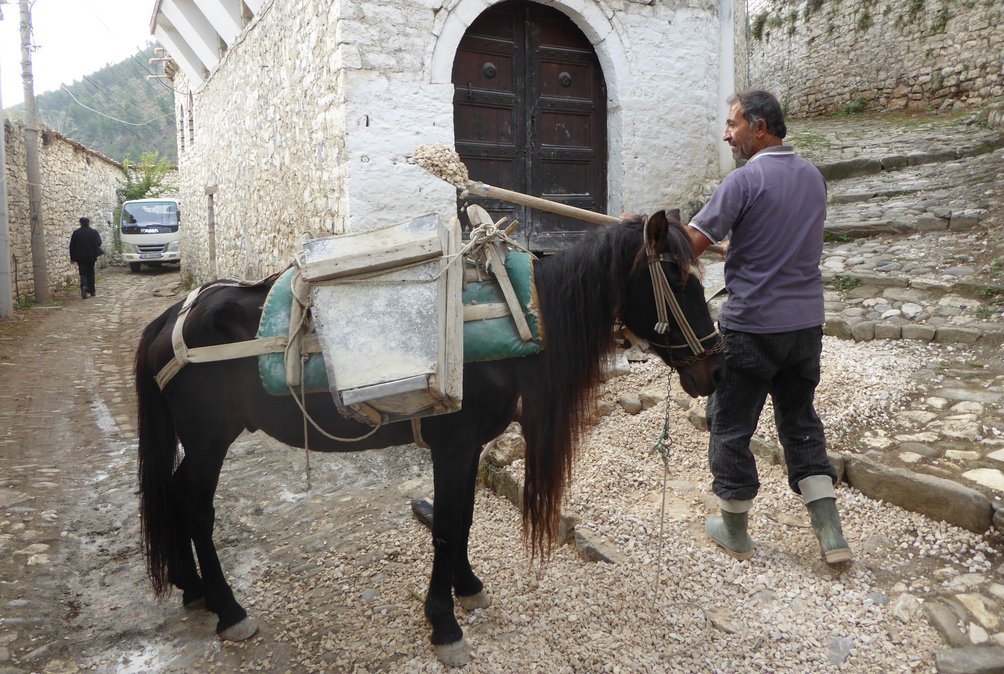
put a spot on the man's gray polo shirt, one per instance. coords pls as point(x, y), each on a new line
point(774, 207)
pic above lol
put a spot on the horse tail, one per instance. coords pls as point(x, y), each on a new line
point(157, 457)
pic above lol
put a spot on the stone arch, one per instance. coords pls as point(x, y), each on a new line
point(588, 17)
point(594, 24)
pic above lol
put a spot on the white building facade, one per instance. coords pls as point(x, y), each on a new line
point(299, 116)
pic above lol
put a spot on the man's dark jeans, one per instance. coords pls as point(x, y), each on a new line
point(784, 365)
point(86, 268)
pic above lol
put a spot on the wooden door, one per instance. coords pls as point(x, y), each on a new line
point(530, 116)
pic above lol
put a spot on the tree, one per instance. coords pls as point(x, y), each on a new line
point(144, 179)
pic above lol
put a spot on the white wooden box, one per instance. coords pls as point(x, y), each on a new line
point(389, 317)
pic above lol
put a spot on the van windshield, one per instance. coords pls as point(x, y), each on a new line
point(150, 214)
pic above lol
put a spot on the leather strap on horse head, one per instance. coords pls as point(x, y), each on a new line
point(664, 297)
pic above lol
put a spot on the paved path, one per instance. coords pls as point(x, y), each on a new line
point(915, 252)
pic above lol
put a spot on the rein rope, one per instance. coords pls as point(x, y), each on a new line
point(662, 446)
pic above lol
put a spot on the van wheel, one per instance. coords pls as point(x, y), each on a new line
point(134, 266)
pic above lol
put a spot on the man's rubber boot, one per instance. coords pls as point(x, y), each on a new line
point(821, 501)
point(729, 530)
point(83, 288)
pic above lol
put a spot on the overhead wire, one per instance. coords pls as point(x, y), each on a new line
point(152, 75)
point(149, 121)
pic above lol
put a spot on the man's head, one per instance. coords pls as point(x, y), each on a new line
point(755, 121)
point(85, 222)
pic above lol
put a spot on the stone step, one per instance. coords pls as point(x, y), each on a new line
point(861, 166)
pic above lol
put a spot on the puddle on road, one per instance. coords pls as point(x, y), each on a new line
point(102, 415)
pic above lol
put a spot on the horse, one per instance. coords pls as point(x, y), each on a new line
point(610, 278)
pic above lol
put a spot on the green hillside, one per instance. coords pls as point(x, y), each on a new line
point(116, 111)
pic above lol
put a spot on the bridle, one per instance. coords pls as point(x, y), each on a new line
point(664, 297)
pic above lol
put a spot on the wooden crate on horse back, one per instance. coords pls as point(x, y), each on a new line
point(388, 314)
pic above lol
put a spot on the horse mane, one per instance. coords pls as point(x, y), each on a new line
point(578, 294)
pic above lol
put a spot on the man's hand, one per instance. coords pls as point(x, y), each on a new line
point(720, 248)
point(633, 217)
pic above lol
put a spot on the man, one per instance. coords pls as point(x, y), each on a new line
point(85, 247)
point(772, 209)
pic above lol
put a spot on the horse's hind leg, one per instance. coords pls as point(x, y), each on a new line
point(182, 571)
point(201, 479)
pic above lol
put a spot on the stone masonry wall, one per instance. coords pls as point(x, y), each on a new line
point(307, 123)
point(824, 56)
point(76, 182)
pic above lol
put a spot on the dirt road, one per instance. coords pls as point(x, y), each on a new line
point(73, 592)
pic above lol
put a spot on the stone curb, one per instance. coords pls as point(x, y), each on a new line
point(935, 497)
point(865, 331)
point(972, 660)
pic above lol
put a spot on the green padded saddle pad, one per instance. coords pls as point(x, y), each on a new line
point(275, 323)
point(498, 338)
point(490, 339)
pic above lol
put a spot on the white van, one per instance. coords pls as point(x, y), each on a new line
point(150, 232)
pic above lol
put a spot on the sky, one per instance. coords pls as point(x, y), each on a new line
point(73, 38)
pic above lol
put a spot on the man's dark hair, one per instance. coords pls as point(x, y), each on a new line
point(757, 104)
point(85, 221)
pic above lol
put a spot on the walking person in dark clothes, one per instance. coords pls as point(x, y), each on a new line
point(85, 247)
point(773, 209)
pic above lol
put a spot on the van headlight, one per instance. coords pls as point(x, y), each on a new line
point(173, 247)
point(130, 248)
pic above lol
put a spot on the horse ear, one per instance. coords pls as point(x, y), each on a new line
point(674, 216)
point(655, 230)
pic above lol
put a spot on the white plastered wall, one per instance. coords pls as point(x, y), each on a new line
point(308, 121)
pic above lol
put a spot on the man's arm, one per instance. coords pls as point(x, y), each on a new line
point(698, 240)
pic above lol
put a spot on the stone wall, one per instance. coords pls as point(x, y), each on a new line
point(307, 123)
point(824, 56)
point(76, 182)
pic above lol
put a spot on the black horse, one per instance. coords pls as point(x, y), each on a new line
point(582, 293)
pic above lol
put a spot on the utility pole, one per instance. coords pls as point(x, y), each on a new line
point(6, 296)
point(39, 267)
point(211, 190)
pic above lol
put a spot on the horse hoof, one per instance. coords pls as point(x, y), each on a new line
point(197, 603)
point(456, 654)
point(473, 601)
point(245, 629)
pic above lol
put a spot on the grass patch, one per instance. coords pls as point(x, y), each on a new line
point(836, 237)
point(756, 28)
point(854, 107)
point(810, 140)
point(846, 283)
point(187, 283)
point(995, 295)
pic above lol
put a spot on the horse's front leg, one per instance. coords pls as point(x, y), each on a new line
point(467, 586)
point(453, 475)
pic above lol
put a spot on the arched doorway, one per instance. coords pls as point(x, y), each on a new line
point(530, 115)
